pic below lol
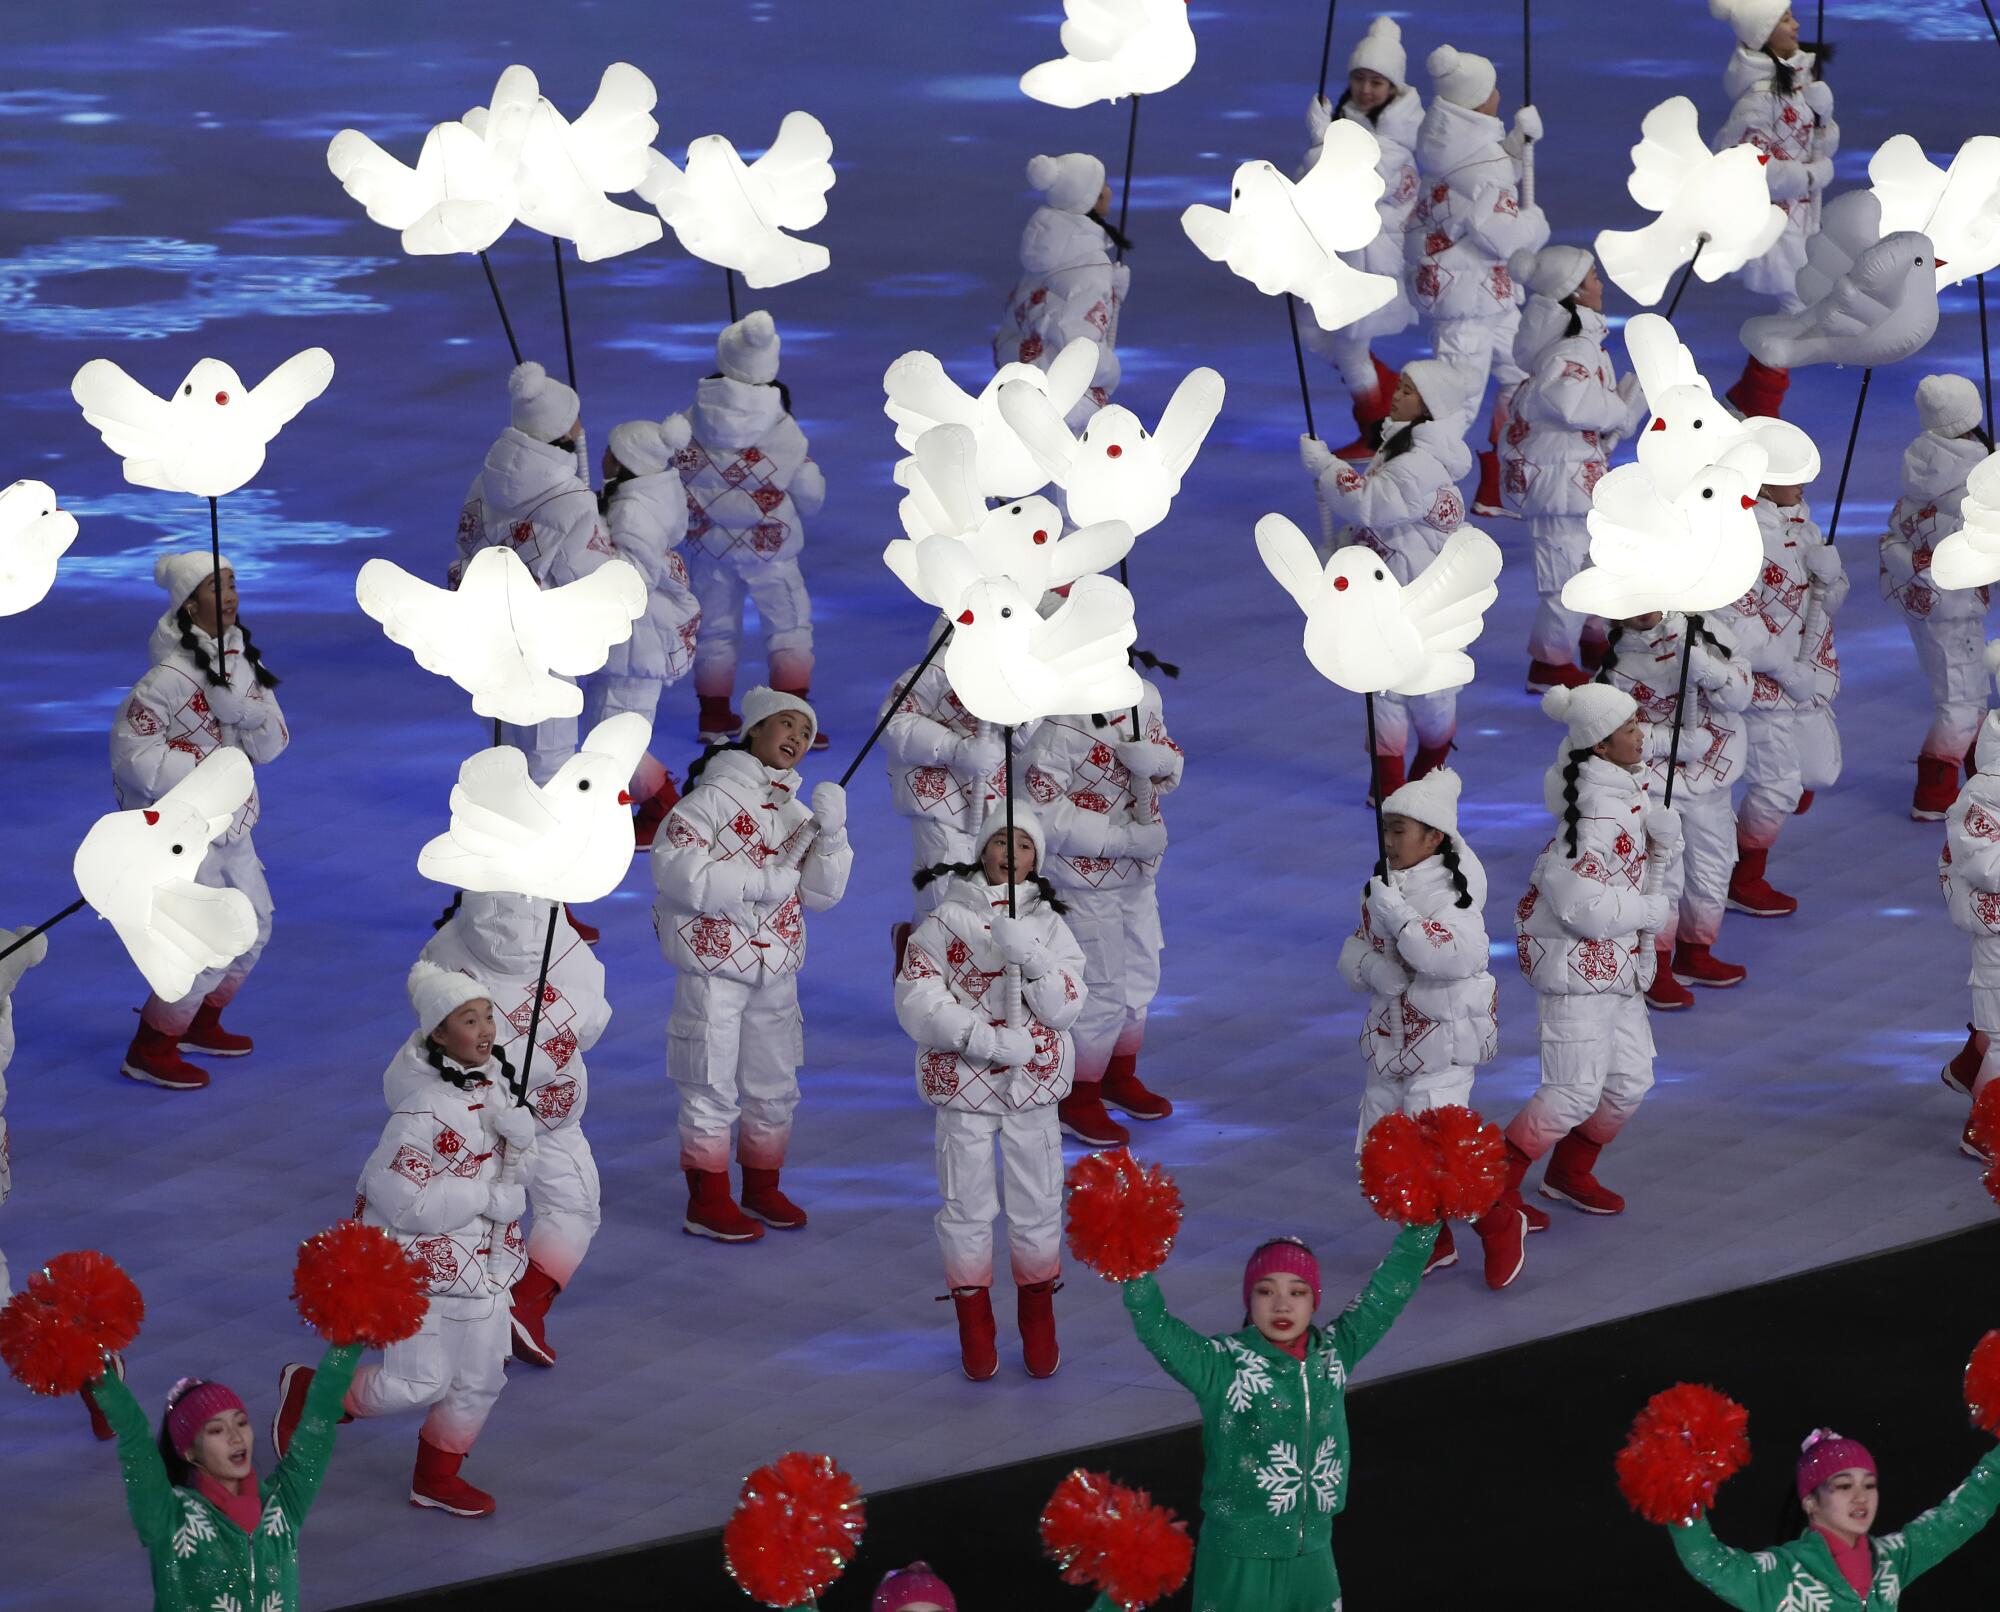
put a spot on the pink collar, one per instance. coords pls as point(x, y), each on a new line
point(1856, 1561)
point(242, 1509)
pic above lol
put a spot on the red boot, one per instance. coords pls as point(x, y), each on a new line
point(1760, 389)
point(1544, 675)
point(1937, 788)
point(1082, 1115)
point(1568, 1178)
point(1694, 966)
point(154, 1057)
point(293, 1382)
point(1503, 1232)
point(1126, 1092)
point(1035, 1312)
point(1430, 758)
point(1443, 1251)
point(1388, 774)
point(976, 1353)
point(899, 941)
point(653, 812)
point(762, 1198)
point(1369, 413)
point(1517, 1171)
point(207, 1036)
point(100, 1429)
point(1486, 501)
point(711, 1212)
point(1805, 803)
point(529, 1303)
point(1595, 647)
point(587, 933)
point(1969, 1145)
point(718, 724)
point(436, 1484)
point(1667, 994)
point(1963, 1069)
point(1748, 890)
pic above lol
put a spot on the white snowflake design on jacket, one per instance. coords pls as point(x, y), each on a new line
point(276, 1524)
point(196, 1528)
point(1325, 1476)
point(1283, 1479)
point(1253, 1376)
point(1806, 1594)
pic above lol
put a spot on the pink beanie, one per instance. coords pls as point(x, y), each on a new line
point(189, 1409)
point(1826, 1453)
point(912, 1586)
point(1285, 1256)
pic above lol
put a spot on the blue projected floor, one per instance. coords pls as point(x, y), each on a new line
point(167, 197)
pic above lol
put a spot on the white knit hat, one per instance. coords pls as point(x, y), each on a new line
point(1070, 183)
point(646, 447)
point(437, 993)
point(1553, 272)
point(180, 574)
point(748, 349)
point(1381, 51)
point(1432, 800)
point(1024, 819)
point(761, 702)
point(1948, 405)
point(1460, 77)
point(539, 405)
point(1753, 20)
point(1594, 712)
point(1440, 386)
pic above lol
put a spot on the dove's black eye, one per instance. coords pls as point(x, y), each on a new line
point(1378, 576)
point(1708, 492)
point(1015, 510)
point(188, 390)
point(1234, 194)
point(583, 783)
point(1005, 612)
point(1697, 425)
point(177, 850)
point(1918, 261)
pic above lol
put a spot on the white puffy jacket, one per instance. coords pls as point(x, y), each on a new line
point(648, 519)
point(746, 474)
point(1770, 620)
point(1969, 871)
point(1646, 664)
point(952, 994)
point(1798, 133)
point(1395, 129)
point(1069, 288)
point(737, 865)
point(166, 725)
point(430, 1177)
point(1089, 797)
point(1568, 415)
point(531, 497)
point(1446, 1014)
point(1403, 507)
point(1469, 218)
point(1929, 511)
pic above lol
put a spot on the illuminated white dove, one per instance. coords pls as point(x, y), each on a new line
point(1957, 208)
point(1370, 634)
point(918, 395)
point(209, 437)
point(567, 840)
point(735, 215)
point(499, 637)
point(458, 198)
point(1114, 48)
point(34, 534)
point(1114, 469)
point(1285, 237)
point(137, 870)
point(1699, 551)
point(1690, 429)
point(1870, 298)
point(1719, 201)
point(1970, 556)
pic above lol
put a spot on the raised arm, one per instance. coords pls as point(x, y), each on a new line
point(149, 1496)
point(298, 1476)
point(1374, 1309)
point(1197, 1363)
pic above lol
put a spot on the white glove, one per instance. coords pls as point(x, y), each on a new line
point(1319, 118)
point(1663, 832)
point(1528, 124)
point(981, 754)
point(1798, 680)
point(1823, 562)
point(1139, 841)
point(1388, 910)
point(226, 705)
point(1655, 911)
point(1005, 1045)
point(505, 1201)
point(1316, 456)
point(1628, 387)
point(1819, 97)
point(512, 1123)
point(829, 807)
point(772, 882)
point(1820, 174)
point(1015, 937)
point(13, 967)
point(1144, 759)
point(1384, 975)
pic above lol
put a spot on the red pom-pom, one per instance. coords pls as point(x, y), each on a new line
point(1115, 1540)
point(794, 1528)
point(1445, 1164)
point(355, 1284)
point(56, 1332)
point(1123, 1216)
point(1984, 1133)
point(1982, 1381)
point(1686, 1443)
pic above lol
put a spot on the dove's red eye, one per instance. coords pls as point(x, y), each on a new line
point(1113, 451)
point(222, 397)
point(1749, 503)
point(1659, 425)
point(152, 818)
point(965, 618)
point(1340, 584)
point(1041, 537)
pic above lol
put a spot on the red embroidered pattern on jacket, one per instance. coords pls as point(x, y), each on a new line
point(412, 1163)
point(1090, 801)
point(788, 923)
point(560, 1047)
point(554, 1101)
point(1447, 511)
point(708, 937)
point(1526, 905)
point(1041, 787)
point(937, 1069)
point(767, 537)
point(767, 498)
point(1595, 960)
point(1986, 906)
point(440, 1258)
point(1046, 1059)
point(1980, 825)
point(1031, 347)
point(141, 719)
point(970, 982)
point(680, 835)
point(1436, 933)
point(917, 965)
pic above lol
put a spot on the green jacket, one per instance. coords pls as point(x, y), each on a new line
point(201, 1559)
point(1801, 1577)
point(1274, 1429)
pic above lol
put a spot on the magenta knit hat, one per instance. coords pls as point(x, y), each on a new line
point(191, 1404)
point(1826, 1453)
point(911, 1586)
point(1284, 1256)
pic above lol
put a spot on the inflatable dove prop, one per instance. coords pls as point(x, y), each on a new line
point(1370, 634)
point(499, 637)
point(137, 870)
point(208, 438)
point(1698, 551)
point(1115, 469)
point(458, 198)
point(1716, 201)
point(734, 214)
point(1970, 556)
point(1690, 429)
point(1113, 48)
point(1957, 209)
point(34, 534)
point(1285, 237)
point(1870, 298)
point(918, 395)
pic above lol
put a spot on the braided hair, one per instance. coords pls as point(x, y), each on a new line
point(211, 672)
point(1374, 117)
point(1572, 814)
point(1448, 855)
point(924, 877)
point(1616, 631)
point(1785, 77)
point(515, 1081)
point(451, 910)
point(709, 752)
point(1405, 439)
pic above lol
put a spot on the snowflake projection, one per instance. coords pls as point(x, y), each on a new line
point(1327, 1471)
point(1282, 1480)
point(197, 1527)
point(276, 1524)
point(1806, 1594)
point(1253, 1377)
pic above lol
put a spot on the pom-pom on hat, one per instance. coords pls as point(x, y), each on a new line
point(1554, 272)
point(1432, 800)
point(646, 447)
point(539, 405)
point(1024, 819)
point(190, 1404)
point(747, 351)
point(1070, 183)
point(1438, 384)
point(1381, 51)
point(1826, 1453)
point(181, 574)
point(1948, 405)
point(915, 1585)
point(1461, 77)
point(437, 993)
point(1284, 1256)
point(761, 702)
point(1753, 20)
point(1593, 712)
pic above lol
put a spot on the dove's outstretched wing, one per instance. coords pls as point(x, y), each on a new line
point(1033, 418)
point(609, 141)
point(279, 396)
point(1659, 358)
point(216, 787)
point(1907, 184)
point(789, 182)
point(1447, 601)
point(1096, 547)
point(496, 809)
point(1794, 456)
point(1189, 413)
point(1070, 373)
point(1094, 621)
point(917, 394)
point(391, 193)
point(202, 926)
point(1212, 230)
point(1288, 555)
point(663, 186)
point(1849, 225)
point(945, 568)
point(946, 485)
point(1093, 30)
point(132, 421)
point(576, 624)
point(1629, 521)
point(1338, 194)
point(1669, 152)
point(411, 611)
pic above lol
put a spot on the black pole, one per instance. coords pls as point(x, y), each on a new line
point(1986, 348)
point(562, 295)
point(1690, 625)
point(215, 578)
point(1130, 655)
point(895, 700)
point(1326, 48)
point(1686, 274)
point(1125, 198)
point(41, 928)
point(506, 324)
point(496, 733)
point(535, 1013)
point(1007, 740)
point(1527, 55)
point(1854, 432)
point(1375, 794)
point(1995, 26)
point(1299, 353)
point(729, 282)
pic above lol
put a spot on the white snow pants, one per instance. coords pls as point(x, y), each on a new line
point(1950, 653)
point(1384, 1094)
point(1118, 930)
point(1790, 752)
point(734, 1050)
point(1708, 855)
point(1434, 716)
point(1562, 548)
point(783, 606)
point(562, 1189)
point(1031, 1159)
point(1481, 349)
point(1597, 1064)
point(456, 1364)
point(229, 865)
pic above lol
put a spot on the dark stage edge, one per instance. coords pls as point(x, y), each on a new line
point(1487, 1482)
